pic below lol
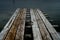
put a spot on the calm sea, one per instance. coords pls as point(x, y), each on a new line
point(7, 8)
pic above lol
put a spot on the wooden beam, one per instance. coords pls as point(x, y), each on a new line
point(36, 32)
point(43, 30)
point(8, 25)
point(52, 31)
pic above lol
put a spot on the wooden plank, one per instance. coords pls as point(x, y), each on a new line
point(43, 30)
point(50, 28)
point(8, 25)
point(12, 32)
point(36, 32)
point(20, 31)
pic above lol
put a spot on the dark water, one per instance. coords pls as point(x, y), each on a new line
point(7, 7)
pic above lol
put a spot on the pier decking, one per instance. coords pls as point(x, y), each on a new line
point(28, 24)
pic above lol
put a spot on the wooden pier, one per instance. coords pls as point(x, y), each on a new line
point(28, 24)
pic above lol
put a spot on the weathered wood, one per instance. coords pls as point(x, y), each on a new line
point(36, 32)
point(41, 27)
point(50, 28)
point(20, 31)
point(12, 32)
point(8, 25)
point(43, 30)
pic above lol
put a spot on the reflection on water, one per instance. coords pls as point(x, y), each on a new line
point(7, 7)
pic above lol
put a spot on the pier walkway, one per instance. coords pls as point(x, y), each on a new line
point(28, 24)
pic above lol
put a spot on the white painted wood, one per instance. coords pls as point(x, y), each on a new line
point(8, 25)
point(50, 28)
point(42, 28)
point(36, 32)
